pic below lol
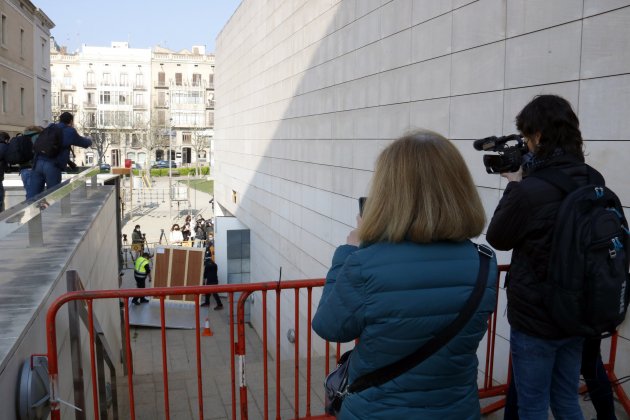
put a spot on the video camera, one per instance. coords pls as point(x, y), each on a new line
point(509, 157)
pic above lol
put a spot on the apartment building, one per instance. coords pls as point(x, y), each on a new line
point(136, 103)
point(24, 66)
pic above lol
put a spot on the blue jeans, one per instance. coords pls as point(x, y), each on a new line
point(25, 174)
point(45, 173)
point(546, 372)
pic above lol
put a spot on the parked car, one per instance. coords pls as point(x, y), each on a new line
point(163, 164)
point(105, 167)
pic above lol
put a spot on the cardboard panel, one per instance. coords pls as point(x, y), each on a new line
point(178, 266)
point(161, 267)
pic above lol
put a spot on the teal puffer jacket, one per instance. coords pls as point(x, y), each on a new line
point(394, 297)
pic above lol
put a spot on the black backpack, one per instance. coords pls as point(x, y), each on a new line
point(49, 142)
point(19, 150)
point(588, 266)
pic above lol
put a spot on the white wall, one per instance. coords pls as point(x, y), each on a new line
point(311, 91)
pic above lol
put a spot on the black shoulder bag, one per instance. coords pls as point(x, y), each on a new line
point(336, 386)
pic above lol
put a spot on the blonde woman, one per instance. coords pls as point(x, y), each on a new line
point(403, 276)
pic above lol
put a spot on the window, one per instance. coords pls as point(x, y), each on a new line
point(138, 99)
point(90, 98)
point(44, 52)
point(106, 79)
point(22, 101)
point(139, 80)
point(161, 99)
point(22, 43)
point(4, 93)
point(178, 79)
point(3, 30)
point(161, 79)
point(196, 80)
point(124, 79)
point(105, 97)
point(186, 138)
point(90, 78)
point(138, 118)
point(161, 117)
point(211, 79)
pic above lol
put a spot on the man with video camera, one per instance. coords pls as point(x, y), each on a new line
point(546, 358)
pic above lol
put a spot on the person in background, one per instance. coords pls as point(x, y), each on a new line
point(46, 171)
point(4, 144)
point(137, 240)
point(210, 276)
point(200, 234)
point(141, 273)
point(545, 360)
point(186, 229)
point(26, 168)
point(403, 276)
point(176, 237)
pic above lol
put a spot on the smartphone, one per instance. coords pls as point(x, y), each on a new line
point(361, 205)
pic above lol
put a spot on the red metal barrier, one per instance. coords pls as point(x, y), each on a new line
point(238, 348)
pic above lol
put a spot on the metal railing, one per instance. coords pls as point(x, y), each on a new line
point(239, 388)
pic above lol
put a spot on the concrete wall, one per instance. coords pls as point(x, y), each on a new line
point(84, 242)
point(311, 91)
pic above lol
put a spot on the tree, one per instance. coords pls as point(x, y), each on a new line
point(200, 142)
point(86, 123)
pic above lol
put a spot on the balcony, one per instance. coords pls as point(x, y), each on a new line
point(139, 86)
point(161, 85)
point(210, 104)
point(138, 107)
point(89, 105)
point(89, 85)
point(69, 107)
point(210, 86)
point(65, 87)
point(161, 105)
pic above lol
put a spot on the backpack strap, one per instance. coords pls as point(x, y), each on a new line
point(391, 371)
point(564, 182)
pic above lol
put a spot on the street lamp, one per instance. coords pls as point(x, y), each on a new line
point(170, 170)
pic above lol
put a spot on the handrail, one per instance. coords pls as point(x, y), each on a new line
point(27, 212)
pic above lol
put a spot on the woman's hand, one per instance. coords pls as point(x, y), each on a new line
point(353, 236)
point(513, 176)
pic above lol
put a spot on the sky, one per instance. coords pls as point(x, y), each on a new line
point(175, 24)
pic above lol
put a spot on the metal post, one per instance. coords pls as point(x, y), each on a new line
point(35, 233)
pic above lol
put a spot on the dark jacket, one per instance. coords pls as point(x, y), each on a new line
point(394, 297)
point(70, 138)
point(210, 275)
point(3, 150)
point(524, 222)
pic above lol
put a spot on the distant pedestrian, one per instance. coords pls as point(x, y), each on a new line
point(137, 240)
point(27, 167)
point(210, 276)
point(142, 273)
point(200, 235)
point(4, 145)
point(176, 237)
point(47, 170)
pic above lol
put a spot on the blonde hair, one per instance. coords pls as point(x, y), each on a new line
point(422, 192)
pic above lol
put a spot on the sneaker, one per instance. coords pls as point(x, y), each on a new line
point(205, 304)
point(144, 300)
point(218, 307)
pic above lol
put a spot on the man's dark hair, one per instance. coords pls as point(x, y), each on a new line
point(559, 127)
point(137, 226)
point(4, 136)
point(146, 255)
point(66, 118)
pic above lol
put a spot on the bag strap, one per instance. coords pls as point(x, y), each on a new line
point(391, 371)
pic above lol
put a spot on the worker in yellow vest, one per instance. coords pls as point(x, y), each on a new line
point(142, 272)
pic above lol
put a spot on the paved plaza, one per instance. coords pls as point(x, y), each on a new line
point(215, 350)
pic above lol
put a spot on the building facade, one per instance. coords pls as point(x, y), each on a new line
point(135, 103)
point(24, 66)
point(296, 139)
